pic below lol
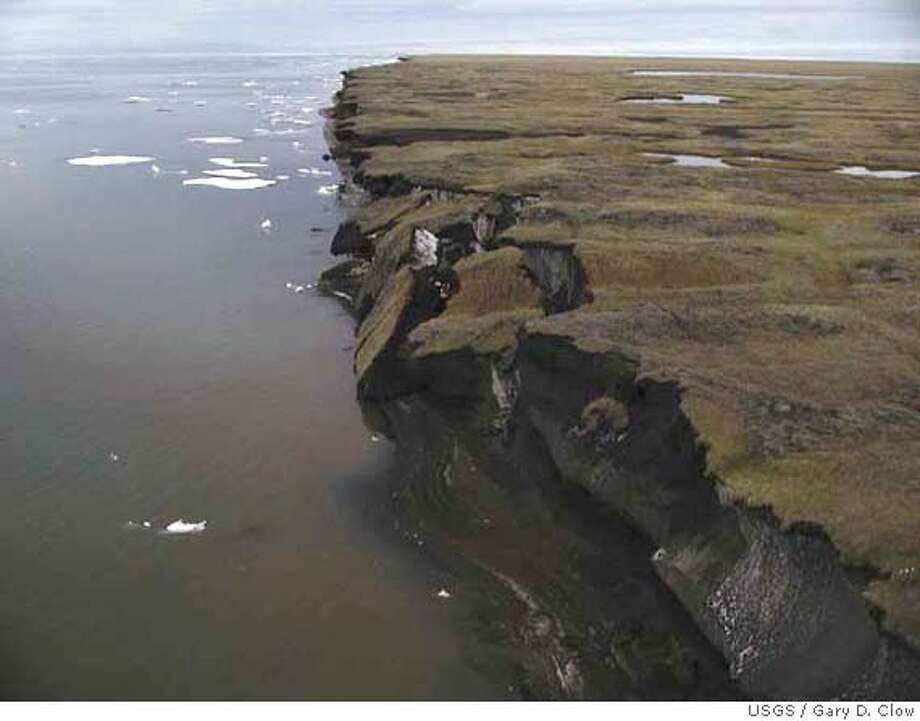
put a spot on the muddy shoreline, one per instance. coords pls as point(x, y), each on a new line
point(568, 497)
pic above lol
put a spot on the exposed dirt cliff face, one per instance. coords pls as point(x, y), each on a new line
point(569, 457)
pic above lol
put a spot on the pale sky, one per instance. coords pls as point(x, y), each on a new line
point(841, 29)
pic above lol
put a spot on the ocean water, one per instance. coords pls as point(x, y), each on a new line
point(190, 502)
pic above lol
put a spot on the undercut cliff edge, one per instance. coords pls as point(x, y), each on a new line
point(662, 423)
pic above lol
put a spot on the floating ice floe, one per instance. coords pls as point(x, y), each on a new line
point(282, 177)
point(231, 173)
point(189, 83)
point(96, 161)
point(217, 140)
point(691, 161)
point(444, 593)
point(113, 457)
point(294, 288)
point(231, 183)
point(250, 84)
point(134, 99)
point(266, 225)
point(182, 527)
point(232, 163)
point(314, 171)
point(200, 103)
point(862, 171)
point(22, 111)
point(157, 170)
point(328, 189)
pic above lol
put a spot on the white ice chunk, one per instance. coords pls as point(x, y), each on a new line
point(231, 183)
point(328, 189)
point(217, 140)
point(425, 245)
point(444, 593)
point(231, 163)
point(181, 526)
point(103, 160)
point(133, 99)
point(266, 225)
point(231, 173)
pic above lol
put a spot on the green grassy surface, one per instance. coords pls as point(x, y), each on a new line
point(792, 293)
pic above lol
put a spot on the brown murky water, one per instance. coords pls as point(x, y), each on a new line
point(155, 367)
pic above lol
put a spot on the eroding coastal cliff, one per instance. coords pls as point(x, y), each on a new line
point(664, 420)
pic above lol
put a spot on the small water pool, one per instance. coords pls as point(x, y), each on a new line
point(680, 98)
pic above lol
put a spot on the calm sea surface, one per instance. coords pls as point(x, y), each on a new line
point(155, 366)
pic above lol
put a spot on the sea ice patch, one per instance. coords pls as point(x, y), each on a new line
point(231, 183)
point(231, 163)
point(328, 189)
point(231, 173)
point(98, 161)
point(217, 140)
point(181, 527)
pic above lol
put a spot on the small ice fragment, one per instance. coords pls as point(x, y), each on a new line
point(155, 169)
point(190, 83)
point(266, 226)
point(298, 289)
point(217, 140)
point(328, 189)
point(376, 438)
point(22, 111)
point(263, 158)
point(201, 103)
point(251, 104)
point(250, 84)
point(180, 526)
point(295, 144)
point(231, 163)
point(282, 177)
point(289, 285)
point(443, 593)
point(231, 183)
point(146, 524)
point(133, 99)
point(103, 160)
point(231, 173)
point(113, 457)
